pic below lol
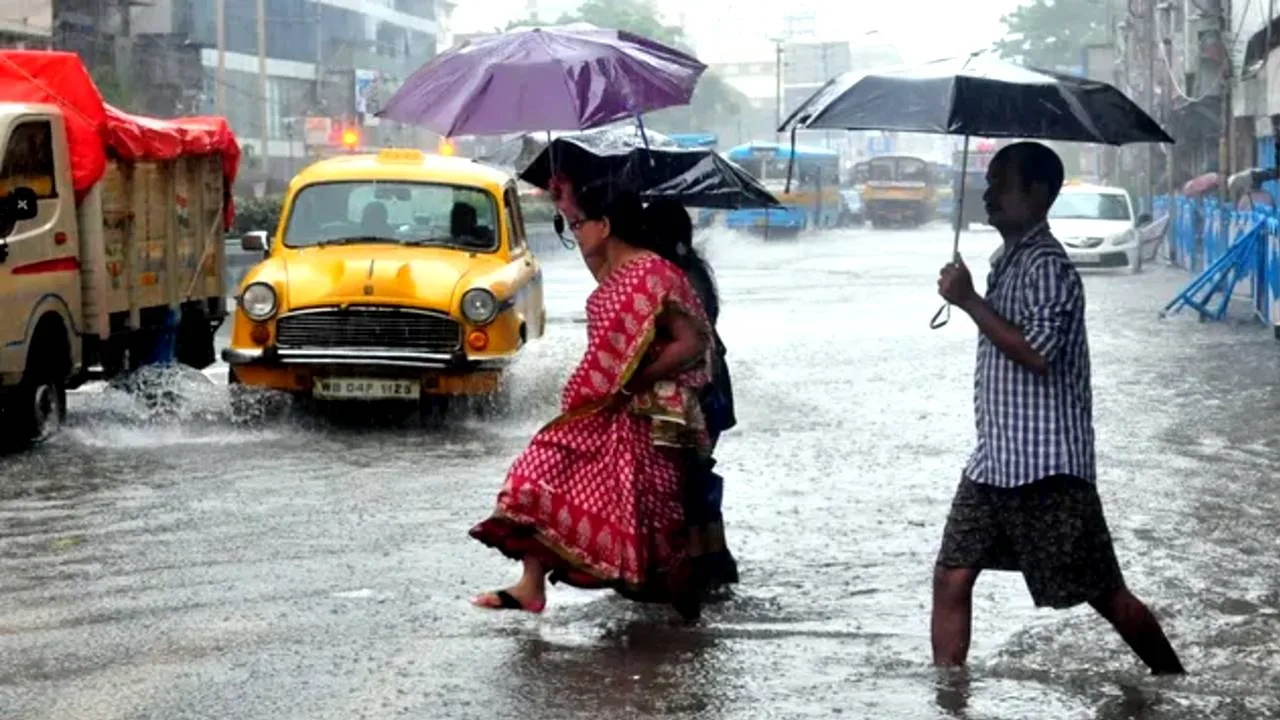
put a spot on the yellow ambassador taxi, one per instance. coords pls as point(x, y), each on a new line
point(391, 276)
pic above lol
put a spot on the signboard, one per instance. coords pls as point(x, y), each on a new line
point(979, 160)
point(879, 144)
point(1100, 63)
point(317, 130)
point(27, 17)
point(368, 95)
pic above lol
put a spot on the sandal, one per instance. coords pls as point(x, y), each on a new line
point(507, 601)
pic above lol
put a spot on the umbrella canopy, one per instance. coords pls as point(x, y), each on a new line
point(544, 79)
point(1201, 184)
point(980, 97)
point(697, 177)
point(519, 152)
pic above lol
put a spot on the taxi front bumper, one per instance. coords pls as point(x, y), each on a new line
point(298, 370)
point(279, 357)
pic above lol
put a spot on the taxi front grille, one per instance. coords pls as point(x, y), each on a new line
point(1091, 242)
point(369, 328)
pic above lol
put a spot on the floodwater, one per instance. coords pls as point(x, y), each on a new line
point(170, 563)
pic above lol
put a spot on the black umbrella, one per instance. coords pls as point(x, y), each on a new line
point(982, 97)
point(697, 177)
point(520, 152)
point(977, 96)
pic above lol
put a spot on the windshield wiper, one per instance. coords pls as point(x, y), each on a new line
point(447, 240)
point(357, 239)
point(444, 240)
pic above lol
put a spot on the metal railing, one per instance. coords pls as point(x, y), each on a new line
point(1204, 231)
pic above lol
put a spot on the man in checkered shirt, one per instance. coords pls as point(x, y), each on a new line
point(1027, 499)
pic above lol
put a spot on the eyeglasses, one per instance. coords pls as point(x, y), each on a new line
point(576, 225)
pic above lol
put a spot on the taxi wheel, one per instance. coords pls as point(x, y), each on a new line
point(494, 405)
point(242, 400)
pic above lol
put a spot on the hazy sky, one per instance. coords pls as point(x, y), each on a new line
point(726, 30)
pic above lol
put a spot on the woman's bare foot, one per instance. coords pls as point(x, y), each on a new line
point(529, 595)
point(515, 598)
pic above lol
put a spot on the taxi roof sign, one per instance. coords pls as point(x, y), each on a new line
point(401, 155)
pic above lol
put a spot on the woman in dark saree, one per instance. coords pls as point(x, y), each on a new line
point(704, 488)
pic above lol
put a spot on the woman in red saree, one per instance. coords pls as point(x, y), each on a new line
point(596, 499)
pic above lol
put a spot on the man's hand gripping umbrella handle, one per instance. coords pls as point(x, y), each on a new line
point(943, 316)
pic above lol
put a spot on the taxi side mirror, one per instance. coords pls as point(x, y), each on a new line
point(255, 241)
point(1144, 219)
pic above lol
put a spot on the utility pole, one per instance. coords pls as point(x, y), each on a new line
point(1167, 81)
point(262, 90)
point(826, 75)
point(1227, 153)
point(1123, 41)
point(220, 91)
point(1148, 44)
point(777, 123)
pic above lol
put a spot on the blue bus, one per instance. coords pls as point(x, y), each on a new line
point(814, 200)
point(706, 217)
point(696, 140)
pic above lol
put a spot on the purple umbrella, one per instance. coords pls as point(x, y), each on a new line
point(544, 79)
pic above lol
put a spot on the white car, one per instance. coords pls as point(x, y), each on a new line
point(1096, 226)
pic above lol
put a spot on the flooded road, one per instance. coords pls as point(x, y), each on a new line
point(180, 565)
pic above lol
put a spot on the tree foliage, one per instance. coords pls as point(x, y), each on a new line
point(1051, 34)
point(713, 99)
point(112, 87)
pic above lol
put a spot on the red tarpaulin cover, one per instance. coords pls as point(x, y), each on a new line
point(96, 129)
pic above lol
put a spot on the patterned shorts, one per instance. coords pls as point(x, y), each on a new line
point(1052, 531)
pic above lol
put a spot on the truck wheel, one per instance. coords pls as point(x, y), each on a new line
point(39, 406)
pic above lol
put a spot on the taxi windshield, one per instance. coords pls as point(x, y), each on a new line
point(406, 213)
point(1090, 206)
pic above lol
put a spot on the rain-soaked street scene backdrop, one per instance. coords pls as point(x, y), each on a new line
point(178, 544)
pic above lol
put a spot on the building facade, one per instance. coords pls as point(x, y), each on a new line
point(329, 64)
point(26, 24)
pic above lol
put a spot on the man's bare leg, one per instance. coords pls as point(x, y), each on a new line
point(1140, 629)
point(952, 614)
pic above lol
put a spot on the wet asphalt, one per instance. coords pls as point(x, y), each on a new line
point(172, 561)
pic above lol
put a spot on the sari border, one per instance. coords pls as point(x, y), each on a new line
point(551, 540)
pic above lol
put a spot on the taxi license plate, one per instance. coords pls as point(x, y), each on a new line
point(1083, 259)
point(365, 389)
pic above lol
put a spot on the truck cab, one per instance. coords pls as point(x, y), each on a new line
point(40, 292)
point(111, 238)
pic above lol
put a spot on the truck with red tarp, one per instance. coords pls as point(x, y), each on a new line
point(111, 238)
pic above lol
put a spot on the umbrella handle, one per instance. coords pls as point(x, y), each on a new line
point(941, 318)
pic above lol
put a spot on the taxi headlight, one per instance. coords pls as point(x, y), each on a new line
point(479, 306)
point(258, 301)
